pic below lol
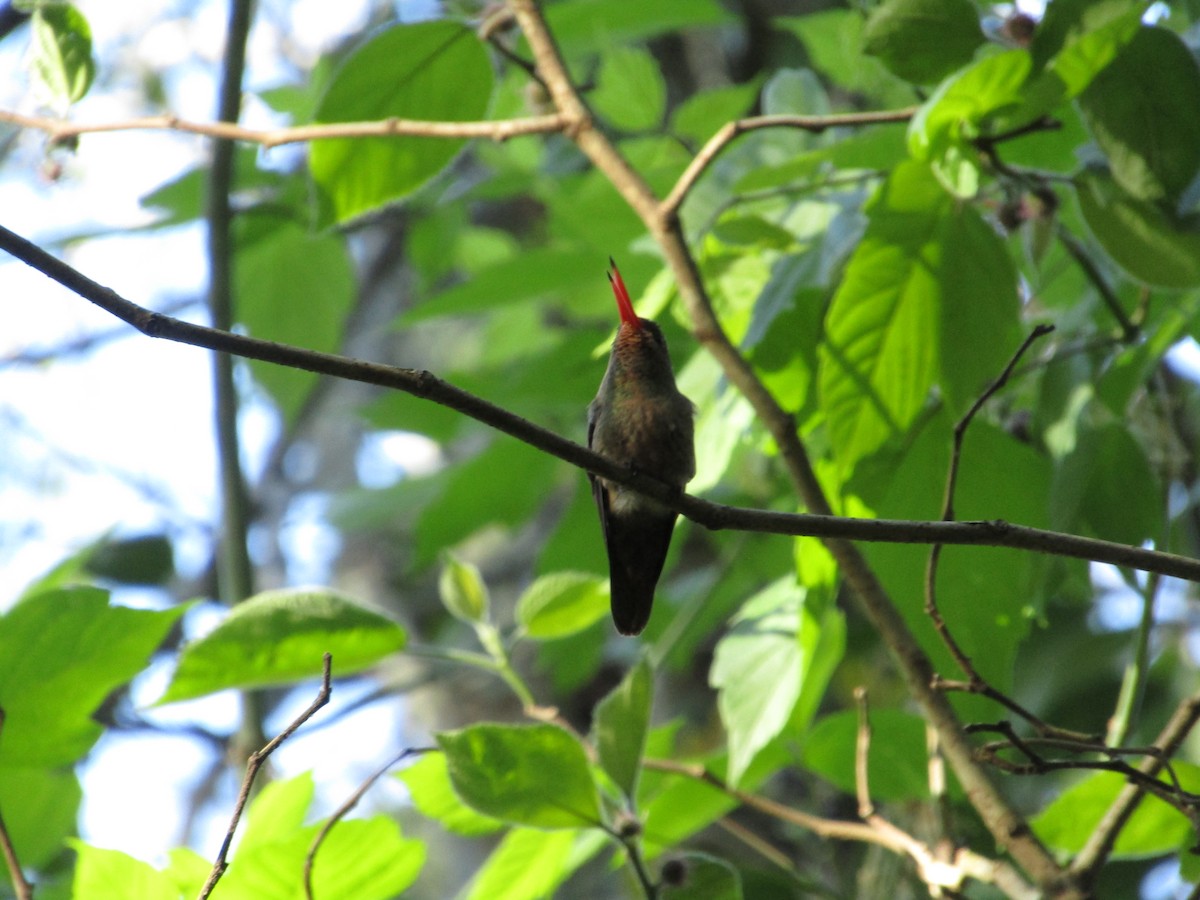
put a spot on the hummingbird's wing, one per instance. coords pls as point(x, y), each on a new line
point(637, 537)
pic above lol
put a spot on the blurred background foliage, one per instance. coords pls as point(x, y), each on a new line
point(877, 278)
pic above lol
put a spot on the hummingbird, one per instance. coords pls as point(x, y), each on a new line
point(639, 420)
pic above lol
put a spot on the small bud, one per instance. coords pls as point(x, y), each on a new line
point(674, 873)
point(1019, 28)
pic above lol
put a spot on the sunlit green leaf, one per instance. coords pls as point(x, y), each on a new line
point(66, 650)
point(898, 764)
point(526, 863)
point(281, 636)
point(434, 71)
point(62, 53)
point(620, 725)
point(1149, 244)
point(1141, 110)
point(942, 130)
point(462, 590)
point(923, 40)
point(761, 667)
point(630, 91)
point(367, 859)
point(535, 775)
point(879, 356)
point(1154, 828)
point(428, 782)
point(562, 603)
point(111, 873)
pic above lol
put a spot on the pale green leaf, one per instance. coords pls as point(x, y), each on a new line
point(535, 775)
point(462, 590)
point(620, 725)
point(432, 71)
point(562, 603)
point(281, 636)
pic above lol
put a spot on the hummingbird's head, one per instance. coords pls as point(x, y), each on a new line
point(640, 349)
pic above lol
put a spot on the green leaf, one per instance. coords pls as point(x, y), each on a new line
point(462, 590)
point(483, 491)
point(833, 39)
point(897, 767)
point(929, 291)
point(551, 273)
point(526, 863)
point(535, 775)
point(1070, 21)
point(704, 878)
point(62, 53)
point(986, 595)
point(562, 603)
point(144, 559)
point(64, 652)
point(111, 873)
point(762, 667)
point(586, 26)
point(1086, 55)
point(292, 287)
point(943, 128)
point(280, 636)
point(620, 726)
point(428, 783)
point(1141, 238)
point(879, 357)
point(1109, 483)
point(436, 71)
point(630, 90)
point(979, 325)
point(923, 40)
point(1142, 112)
point(367, 859)
point(1154, 828)
point(699, 116)
point(40, 811)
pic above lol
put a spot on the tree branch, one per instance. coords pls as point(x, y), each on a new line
point(257, 758)
point(59, 130)
point(21, 886)
point(1087, 863)
point(714, 516)
point(1009, 829)
point(730, 131)
point(341, 812)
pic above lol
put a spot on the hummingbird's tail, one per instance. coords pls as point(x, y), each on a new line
point(637, 549)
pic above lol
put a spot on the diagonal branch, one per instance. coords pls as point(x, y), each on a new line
point(1006, 825)
point(730, 131)
point(714, 516)
point(1104, 837)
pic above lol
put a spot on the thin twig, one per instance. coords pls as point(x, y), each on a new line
point(59, 130)
point(1079, 253)
point(341, 812)
point(862, 755)
point(730, 131)
point(253, 764)
point(21, 886)
point(975, 682)
point(1088, 862)
point(714, 516)
point(960, 430)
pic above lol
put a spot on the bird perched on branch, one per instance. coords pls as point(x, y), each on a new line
point(638, 420)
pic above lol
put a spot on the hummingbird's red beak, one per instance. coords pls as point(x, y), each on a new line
point(624, 304)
